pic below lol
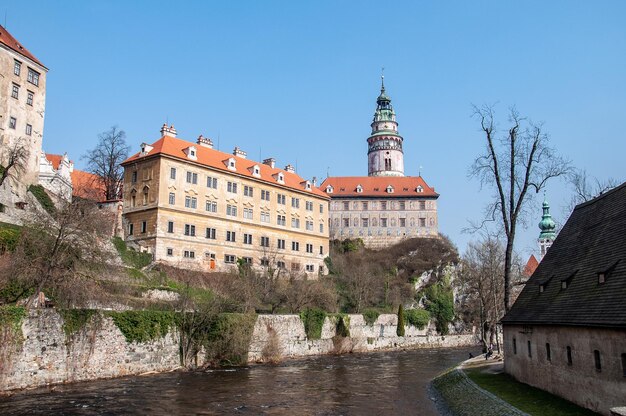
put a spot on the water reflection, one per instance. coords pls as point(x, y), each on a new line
point(358, 384)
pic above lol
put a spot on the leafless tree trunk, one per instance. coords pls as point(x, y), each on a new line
point(104, 161)
point(15, 161)
point(514, 164)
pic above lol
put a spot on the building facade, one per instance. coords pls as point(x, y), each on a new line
point(384, 207)
point(194, 206)
point(22, 106)
point(566, 332)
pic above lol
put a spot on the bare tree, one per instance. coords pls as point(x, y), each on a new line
point(15, 157)
point(586, 188)
point(104, 160)
point(517, 162)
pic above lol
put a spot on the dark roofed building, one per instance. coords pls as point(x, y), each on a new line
point(566, 333)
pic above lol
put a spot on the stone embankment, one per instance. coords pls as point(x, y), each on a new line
point(43, 352)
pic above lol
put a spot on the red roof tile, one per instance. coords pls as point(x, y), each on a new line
point(216, 159)
point(531, 266)
point(377, 186)
point(85, 185)
point(7, 39)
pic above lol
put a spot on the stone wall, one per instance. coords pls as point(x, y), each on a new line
point(579, 380)
point(290, 339)
point(46, 355)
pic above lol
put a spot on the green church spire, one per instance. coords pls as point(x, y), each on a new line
point(547, 225)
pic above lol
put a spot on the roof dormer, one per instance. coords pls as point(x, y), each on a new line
point(191, 152)
point(231, 163)
point(145, 149)
point(280, 177)
point(255, 171)
point(389, 189)
point(306, 185)
point(419, 189)
point(359, 189)
point(329, 189)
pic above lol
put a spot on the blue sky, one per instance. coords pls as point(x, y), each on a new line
point(298, 81)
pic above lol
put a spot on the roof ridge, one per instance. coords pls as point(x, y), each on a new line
point(599, 197)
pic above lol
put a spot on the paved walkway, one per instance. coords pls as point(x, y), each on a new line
point(463, 397)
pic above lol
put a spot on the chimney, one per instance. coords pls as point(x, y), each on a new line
point(314, 181)
point(205, 142)
point(240, 153)
point(271, 162)
point(168, 131)
point(290, 168)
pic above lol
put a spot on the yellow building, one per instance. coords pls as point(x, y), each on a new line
point(194, 206)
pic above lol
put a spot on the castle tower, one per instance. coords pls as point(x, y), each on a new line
point(547, 227)
point(384, 154)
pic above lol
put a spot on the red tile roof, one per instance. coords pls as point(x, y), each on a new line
point(7, 39)
point(531, 266)
point(377, 186)
point(216, 159)
point(85, 185)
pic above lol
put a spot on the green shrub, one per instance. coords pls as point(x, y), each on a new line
point(400, 329)
point(9, 237)
point(342, 328)
point(44, 199)
point(11, 316)
point(370, 316)
point(440, 303)
point(313, 320)
point(142, 326)
point(15, 290)
point(75, 319)
point(229, 338)
point(131, 257)
point(417, 317)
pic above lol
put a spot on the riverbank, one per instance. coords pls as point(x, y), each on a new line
point(480, 387)
point(47, 349)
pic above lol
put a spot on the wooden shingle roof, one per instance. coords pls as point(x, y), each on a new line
point(566, 288)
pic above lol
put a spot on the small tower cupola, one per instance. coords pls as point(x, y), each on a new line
point(548, 230)
point(168, 131)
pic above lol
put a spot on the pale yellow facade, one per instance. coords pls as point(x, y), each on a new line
point(196, 216)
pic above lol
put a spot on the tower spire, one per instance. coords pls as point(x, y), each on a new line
point(547, 227)
point(382, 80)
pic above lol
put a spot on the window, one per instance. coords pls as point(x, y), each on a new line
point(144, 227)
point(295, 267)
point(422, 222)
point(548, 352)
point(191, 202)
point(530, 353)
point(210, 233)
point(321, 250)
point(346, 222)
point(211, 206)
point(309, 205)
point(247, 238)
point(130, 229)
point(596, 359)
point(364, 206)
point(383, 222)
point(624, 365)
point(229, 258)
point(170, 251)
point(172, 198)
point(601, 278)
point(231, 210)
point(29, 98)
point(346, 206)
point(280, 265)
point(230, 236)
point(295, 223)
point(248, 191)
point(189, 254)
point(33, 77)
point(422, 206)
point(309, 248)
point(231, 187)
point(17, 67)
point(569, 355)
point(514, 346)
point(15, 91)
point(295, 246)
point(321, 209)
point(310, 268)
point(133, 178)
point(29, 129)
point(192, 178)
point(281, 220)
point(172, 173)
point(12, 122)
point(265, 216)
point(211, 182)
point(383, 205)
point(265, 262)
point(246, 260)
point(321, 228)
point(190, 230)
point(280, 198)
point(309, 225)
point(170, 227)
point(402, 205)
point(265, 195)
point(402, 222)
point(265, 241)
point(248, 213)
point(295, 202)
point(133, 198)
point(281, 244)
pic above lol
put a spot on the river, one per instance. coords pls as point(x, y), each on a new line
point(389, 383)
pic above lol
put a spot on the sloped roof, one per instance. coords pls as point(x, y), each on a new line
point(84, 184)
point(7, 39)
point(531, 266)
point(216, 159)
point(346, 186)
point(592, 241)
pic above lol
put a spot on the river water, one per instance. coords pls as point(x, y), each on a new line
point(390, 383)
